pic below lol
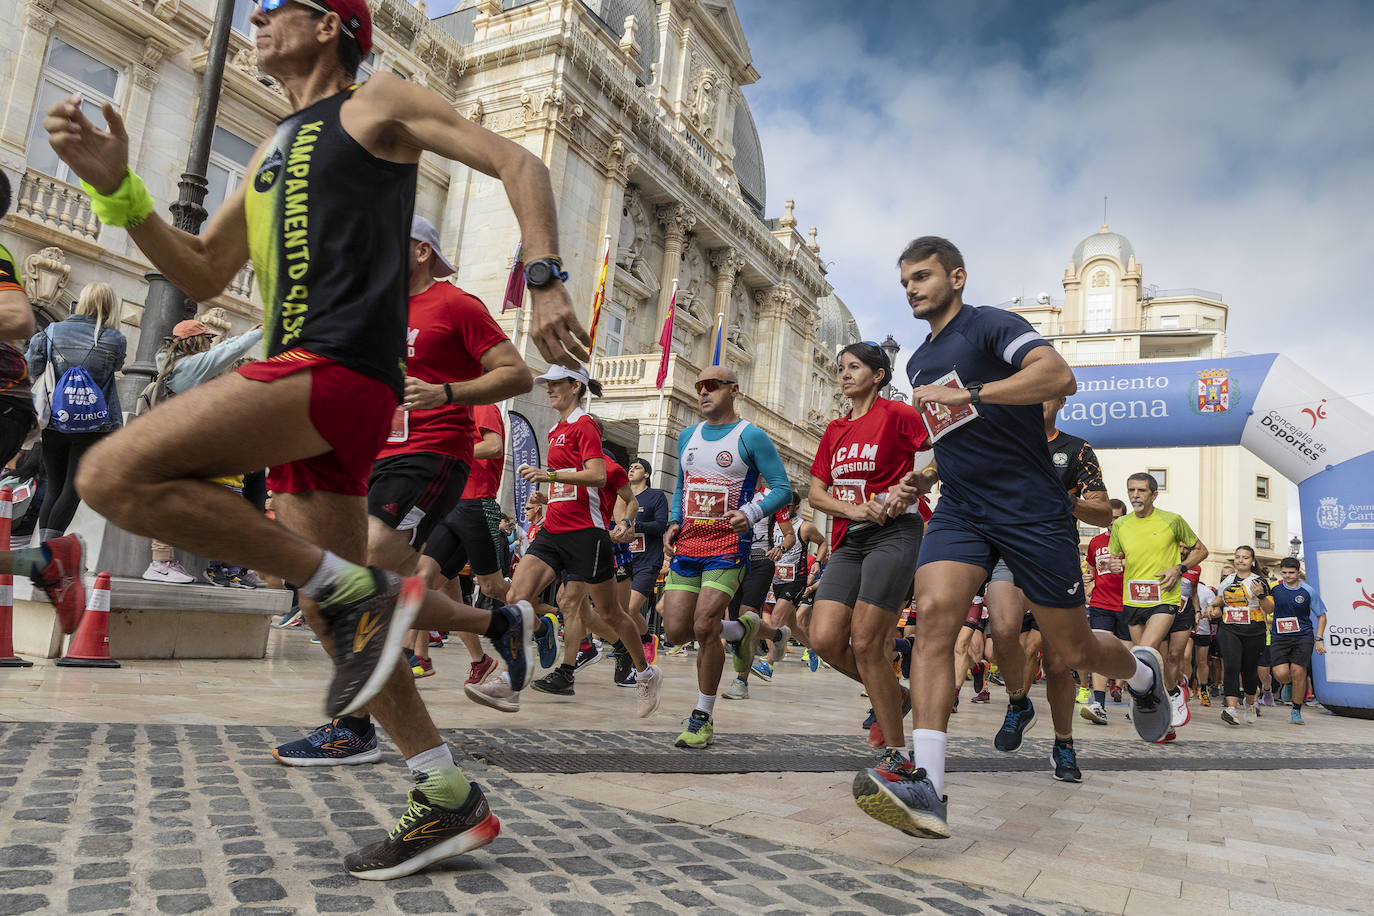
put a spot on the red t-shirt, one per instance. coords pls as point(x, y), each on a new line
point(615, 479)
point(859, 459)
point(572, 443)
point(448, 331)
point(484, 480)
point(1107, 586)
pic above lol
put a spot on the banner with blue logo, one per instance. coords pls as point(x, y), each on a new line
point(524, 449)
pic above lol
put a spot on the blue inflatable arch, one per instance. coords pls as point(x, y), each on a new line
point(1303, 429)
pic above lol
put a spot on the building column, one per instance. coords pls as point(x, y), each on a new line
point(677, 220)
point(727, 263)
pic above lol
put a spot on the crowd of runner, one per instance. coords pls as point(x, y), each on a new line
point(387, 522)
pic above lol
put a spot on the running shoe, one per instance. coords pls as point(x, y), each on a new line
point(367, 636)
point(955, 707)
point(623, 668)
point(629, 680)
point(1151, 710)
point(812, 660)
point(738, 690)
point(900, 796)
point(648, 684)
point(1214, 690)
point(1268, 698)
point(1084, 695)
point(1017, 722)
point(699, 732)
point(762, 669)
point(60, 580)
point(1094, 713)
point(1251, 714)
point(1230, 716)
point(479, 671)
point(1180, 714)
point(1065, 761)
point(547, 643)
point(558, 681)
point(983, 697)
point(425, 834)
point(253, 580)
point(1296, 716)
point(515, 647)
point(332, 744)
point(290, 619)
point(996, 678)
point(649, 642)
point(494, 692)
point(677, 650)
point(1170, 735)
point(586, 656)
point(435, 640)
point(869, 720)
point(1286, 693)
point(169, 571)
point(218, 574)
point(423, 667)
point(742, 650)
point(779, 650)
point(1204, 697)
point(1116, 694)
point(979, 672)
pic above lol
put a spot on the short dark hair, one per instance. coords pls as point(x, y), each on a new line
point(796, 499)
point(1290, 563)
point(350, 52)
point(1148, 478)
point(4, 193)
point(943, 249)
point(872, 356)
point(1118, 504)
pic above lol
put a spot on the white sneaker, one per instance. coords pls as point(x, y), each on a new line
point(779, 648)
point(738, 690)
point(169, 571)
point(1231, 716)
point(1181, 715)
point(647, 684)
point(1251, 714)
point(496, 693)
point(1094, 713)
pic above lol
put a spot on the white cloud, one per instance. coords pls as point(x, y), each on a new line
point(1233, 140)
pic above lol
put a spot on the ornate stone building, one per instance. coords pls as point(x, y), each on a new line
point(1110, 316)
point(635, 105)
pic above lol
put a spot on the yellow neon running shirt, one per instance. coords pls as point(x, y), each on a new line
point(1151, 545)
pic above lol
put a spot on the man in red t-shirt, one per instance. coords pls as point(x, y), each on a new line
point(456, 356)
point(1105, 611)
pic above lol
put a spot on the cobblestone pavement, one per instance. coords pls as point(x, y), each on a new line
point(191, 818)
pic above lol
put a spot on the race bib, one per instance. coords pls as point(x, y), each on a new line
point(854, 492)
point(1144, 591)
point(1286, 624)
point(706, 503)
point(939, 418)
point(562, 492)
point(400, 426)
point(1104, 562)
point(637, 545)
point(1237, 615)
point(785, 572)
point(771, 599)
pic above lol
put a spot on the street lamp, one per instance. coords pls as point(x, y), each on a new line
point(891, 348)
point(1294, 546)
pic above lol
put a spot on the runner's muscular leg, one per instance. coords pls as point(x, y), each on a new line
point(871, 638)
point(389, 548)
point(710, 610)
point(678, 610)
point(1059, 690)
point(152, 477)
point(1079, 646)
point(944, 591)
point(831, 634)
point(622, 624)
point(338, 523)
point(1006, 606)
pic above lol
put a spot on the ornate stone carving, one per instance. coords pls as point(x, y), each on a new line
point(788, 220)
point(166, 10)
point(216, 318)
point(704, 98)
point(474, 112)
point(677, 219)
point(46, 273)
point(727, 259)
point(811, 243)
point(1101, 279)
point(629, 45)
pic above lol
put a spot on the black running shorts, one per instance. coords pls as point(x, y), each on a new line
point(1183, 620)
point(585, 555)
point(753, 591)
point(1139, 616)
point(468, 535)
point(412, 493)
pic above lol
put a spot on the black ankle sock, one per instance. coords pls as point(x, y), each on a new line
point(619, 647)
point(498, 627)
point(357, 724)
point(566, 669)
point(1021, 703)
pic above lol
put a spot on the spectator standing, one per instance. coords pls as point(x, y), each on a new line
point(89, 338)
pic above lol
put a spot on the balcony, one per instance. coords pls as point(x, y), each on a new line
point(1155, 325)
point(61, 211)
point(242, 284)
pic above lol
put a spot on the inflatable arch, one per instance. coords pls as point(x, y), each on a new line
point(1301, 428)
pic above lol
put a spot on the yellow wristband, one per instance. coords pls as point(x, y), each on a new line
point(553, 476)
point(129, 205)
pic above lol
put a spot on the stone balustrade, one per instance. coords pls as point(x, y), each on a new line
point(242, 284)
point(57, 204)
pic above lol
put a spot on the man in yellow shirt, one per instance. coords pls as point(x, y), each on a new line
point(1145, 547)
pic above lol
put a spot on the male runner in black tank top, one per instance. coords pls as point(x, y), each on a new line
point(326, 222)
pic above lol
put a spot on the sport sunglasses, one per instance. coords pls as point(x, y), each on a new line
point(268, 6)
point(711, 384)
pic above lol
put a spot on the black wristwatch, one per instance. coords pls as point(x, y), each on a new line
point(1182, 570)
point(540, 272)
point(975, 394)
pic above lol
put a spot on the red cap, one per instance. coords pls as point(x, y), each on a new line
point(189, 328)
point(357, 20)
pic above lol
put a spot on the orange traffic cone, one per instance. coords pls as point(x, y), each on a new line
point(90, 647)
point(7, 657)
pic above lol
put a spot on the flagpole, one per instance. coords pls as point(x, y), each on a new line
point(598, 299)
point(662, 420)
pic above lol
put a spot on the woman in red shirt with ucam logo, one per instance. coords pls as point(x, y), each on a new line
point(574, 543)
point(875, 539)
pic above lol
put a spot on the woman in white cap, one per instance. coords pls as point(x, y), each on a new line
point(575, 543)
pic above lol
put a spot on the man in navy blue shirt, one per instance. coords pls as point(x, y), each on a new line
point(1293, 637)
point(646, 551)
point(979, 379)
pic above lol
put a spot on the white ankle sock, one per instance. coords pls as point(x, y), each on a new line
point(1143, 679)
point(732, 630)
point(928, 753)
point(706, 704)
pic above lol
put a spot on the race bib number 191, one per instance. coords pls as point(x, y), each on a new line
point(1145, 590)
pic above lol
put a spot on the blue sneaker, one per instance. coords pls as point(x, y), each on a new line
point(813, 661)
point(516, 646)
point(547, 644)
point(1014, 727)
point(870, 720)
point(900, 796)
point(1296, 716)
point(331, 745)
point(1286, 694)
point(762, 668)
point(1065, 762)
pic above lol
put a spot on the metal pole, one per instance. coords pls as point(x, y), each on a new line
point(662, 425)
point(165, 305)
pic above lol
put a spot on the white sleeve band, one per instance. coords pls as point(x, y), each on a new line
point(752, 511)
point(1017, 344)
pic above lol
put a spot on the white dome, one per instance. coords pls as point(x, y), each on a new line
point(1104, 241)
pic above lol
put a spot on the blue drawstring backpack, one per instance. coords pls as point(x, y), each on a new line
point(78, 404)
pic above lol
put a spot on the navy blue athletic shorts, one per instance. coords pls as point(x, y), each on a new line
point(1042, 555)
point(643, 575)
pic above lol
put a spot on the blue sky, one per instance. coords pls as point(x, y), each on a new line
point(1232, 139)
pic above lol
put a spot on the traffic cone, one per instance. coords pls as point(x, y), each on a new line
point(90, 647)
point(7, 657)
